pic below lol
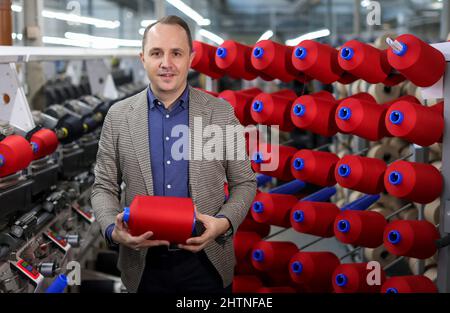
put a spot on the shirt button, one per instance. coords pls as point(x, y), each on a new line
point(169, 186)
point(168, 162)
point(167, 138)
point(167, 115)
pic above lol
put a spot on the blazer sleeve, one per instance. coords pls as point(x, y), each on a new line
point(105, 197)
point(241, 179)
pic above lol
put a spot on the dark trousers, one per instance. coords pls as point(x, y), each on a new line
point(170, 272)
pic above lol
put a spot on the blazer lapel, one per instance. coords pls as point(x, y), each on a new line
point(138, 124)
point(197, 109)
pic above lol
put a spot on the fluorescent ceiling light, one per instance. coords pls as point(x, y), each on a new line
point(309, 36)
point(141, 31)
point(65, 42)
point(365, 3)
point(267, 35)
point(103, 42)
point(210, 36)
point(145, 23)
point(16, 36)
point(183, 7)
point(70, 17)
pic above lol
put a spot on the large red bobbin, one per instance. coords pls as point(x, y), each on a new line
point(241, 101)
point(352, 278)
point(361, 173)
point(243, 243)
point(314, 269)
point(414, 239)
point(169, 218)
point(317, 60)
point(273, 161)
point(315, 113)
point(361, 118)
point(234, 59)
point(315, 167)
point(270, 58)
point(416, 123)
point(273, 256)
point(15, 155)
point(314, 218)
point(43, 142)
point(409, 284)
point(270, 109)
point(360, 228)
point(273, 209)
point(246, 284)
point(250, 225)
point(203, 61)
point(421, 63)
point(417, 182)
point(364, 61)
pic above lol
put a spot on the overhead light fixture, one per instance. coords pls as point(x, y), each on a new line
point(211, 36)
point(309, 36)
point(183, 7)
point(365, 3)
point(16, 36)
point(65, 42)
point(103, 42)
point(141, 31)
point(267, 35)
point(70, 17)
point(145, 23)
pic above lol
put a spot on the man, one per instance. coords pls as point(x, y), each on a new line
point(135, 148)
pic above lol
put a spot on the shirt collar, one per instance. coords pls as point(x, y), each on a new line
point(183, 100)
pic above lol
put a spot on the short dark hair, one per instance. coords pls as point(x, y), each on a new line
point(170, 20)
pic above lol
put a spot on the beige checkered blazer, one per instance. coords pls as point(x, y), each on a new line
point(124, 156)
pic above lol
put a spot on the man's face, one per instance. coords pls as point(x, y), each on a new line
point(167, 58)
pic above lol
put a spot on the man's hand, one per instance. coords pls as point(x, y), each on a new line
point(121, 235)
point(214, 227)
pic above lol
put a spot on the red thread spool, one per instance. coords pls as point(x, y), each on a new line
point(43, 142)
point(417, 182)
point(421, 63)
point(243, 243)
point(352, 278)
point(270, 109)
point(361, 173)
point(245, 267)
point(347, 78)
point(241, 101)
point(362, 95)
point(270, 58)
point(364, 61)
point(416, 123)
point(315, 167)
point(169, 218)
point(287, 93)
point(15, 155)
point(362, 118)
point(273, 209)
point(203, 61)
point(316, 113)
point(273, 256)
point(234, 58)
point(415, 239)
point(314, 269)
point(314, 218)
point(212, 93)
point(267, 160)
point(409, 284)
point(250, 225)
point(360, 228)
point(281, 289)
point(317, 60)
point(246, 284)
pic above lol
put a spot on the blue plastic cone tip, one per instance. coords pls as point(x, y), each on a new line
point(341, 280)
point(403, 51)
point(257, 106)
point(258, 207)
point(344, 170)
point(299, 216)
point(299, 164)
point(126, 214)
point(343, 226)
point(257, 157)
point(297, 267)
point(222, 52)
point(345, 113)
point(258, 255)
point(391, 290)
point(258, 52)
point(299, 109)
point(395, 178)
point(347, 53)
point(396, 117)
point(300, 53)
point(394, 237)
